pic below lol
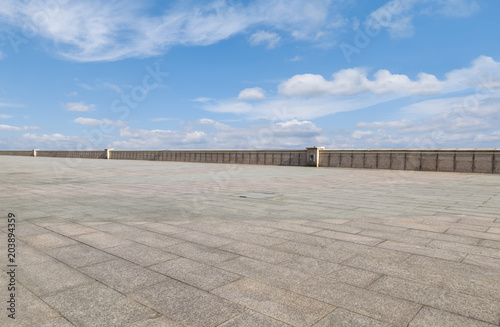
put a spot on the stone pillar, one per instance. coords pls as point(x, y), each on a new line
point(108, 153)
point(35, 151)
point(313, 156)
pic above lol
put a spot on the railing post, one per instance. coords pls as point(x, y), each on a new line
point(108, 153)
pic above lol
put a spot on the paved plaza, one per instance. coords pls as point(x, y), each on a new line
point(147, 243)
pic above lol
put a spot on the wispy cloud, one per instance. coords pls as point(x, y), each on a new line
point(264, 37)
point(79, 106)
point(98, 122)
point(397, 15)
point(103, 31)
point(16, 128)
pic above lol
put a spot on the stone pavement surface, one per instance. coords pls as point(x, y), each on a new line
point(142, 243)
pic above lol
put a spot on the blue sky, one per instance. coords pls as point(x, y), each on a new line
point(249, 74)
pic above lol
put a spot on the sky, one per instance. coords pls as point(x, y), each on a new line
point(262, 74)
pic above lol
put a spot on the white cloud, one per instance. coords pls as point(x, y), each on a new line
point(161, 119)
point(397, 15)
point(16, 128)
point(11, 105)
point(494, 136)
point(159, 139)
point(99, 30)
point(255, 93)
point(355, 81)
point(2, 55)
point(296, 58)
point(260, 37)
point(79, 106)
point(388, 124)
point(202, 99)
point(3, 116)
point(98, 122)
point(361, 134)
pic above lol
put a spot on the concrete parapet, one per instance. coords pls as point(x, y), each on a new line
point(384, 160)
point(370, 160)
point(413, 160)
point(398, 160)
point(358, 160)
point(444, 160)
point(464, 162)
point(346, 159)
point(429, 161)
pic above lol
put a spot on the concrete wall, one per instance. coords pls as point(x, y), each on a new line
point(73, 154)
point(456, 160)
point(17, 153)
point(267, 157)
point(450, 160)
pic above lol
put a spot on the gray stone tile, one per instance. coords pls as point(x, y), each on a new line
point(344, 318)
point(311, 266)
point(79, 255)
point(349, 237)
point(160, 321)
point(257, 252)
point(463, 304)
point(353, 276)
point(71, 229)
point(397, 237)
point(336, 227)
point(152, 239)
point(316, 252)
point(464, 248)
point(365, 302)
point(442, 237)
point(286, 306)
point(47, 241)
point(201, 253)
point(292, 227)
point(422, 250)
point(469, 283)
point(456, 268)
point(259, 270)
point(186, 304)
point(195, 274)
point(101, 240)
point(50, 277)
point(204, 238)
point(26, 255)
point(481, 260)
point(25, 228)
point(258, 239)
point(140, 254)
point(97, 305)
point(251, 319)
point(122, 275)
point(56, 322)
point(163, 228)
point(369, 251)
point(435, 317)
point(470, 233)
point(301, 238)
point(29, 309)
point(490, 244)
